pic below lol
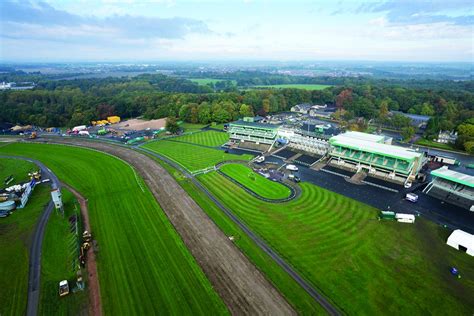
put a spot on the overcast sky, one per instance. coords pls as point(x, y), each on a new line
point(154, 30)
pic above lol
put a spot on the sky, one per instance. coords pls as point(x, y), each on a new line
point(192, 30)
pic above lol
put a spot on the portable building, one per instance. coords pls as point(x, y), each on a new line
point(7, 206)
point(79, 128)
point(113, 119)
point(405, 218)
point(461, 240)
point(387, 215)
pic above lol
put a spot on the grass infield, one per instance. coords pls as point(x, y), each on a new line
point(362, 265)
point(192, 157)
point(255, 182)
point(143, 265)
point(207, 138)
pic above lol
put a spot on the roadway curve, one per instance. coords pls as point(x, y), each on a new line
point(243, 288)
point(34, 273)
point(294, 190)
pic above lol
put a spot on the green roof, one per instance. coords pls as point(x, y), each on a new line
point(454, 176)
point(254, 124)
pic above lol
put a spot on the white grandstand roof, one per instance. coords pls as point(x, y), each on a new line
point(454, 176)
point(364, 136)
point(376, 148)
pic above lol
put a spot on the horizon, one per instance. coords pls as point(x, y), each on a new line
point(142, 31)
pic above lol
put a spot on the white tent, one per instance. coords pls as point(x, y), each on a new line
point(459, 238)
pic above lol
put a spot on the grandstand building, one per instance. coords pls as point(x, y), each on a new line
point(307, 143)
point(374, 153)
point(247, 130)
point(453, 187)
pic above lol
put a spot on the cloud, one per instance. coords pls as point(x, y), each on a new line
point(422, 12)
point(23, 18)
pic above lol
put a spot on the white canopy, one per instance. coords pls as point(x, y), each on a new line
point(463, 239)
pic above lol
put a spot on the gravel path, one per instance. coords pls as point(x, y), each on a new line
point(95, 307)
point(243, 288)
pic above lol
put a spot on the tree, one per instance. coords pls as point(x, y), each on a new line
point(246, 110)
point(408, 132)
point(383, 111)
point(266, 105)
point(172, 125)
point(469, 147)
point(343, 98)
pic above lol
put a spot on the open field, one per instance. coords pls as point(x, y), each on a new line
point(364, 266)
point(296, 86)
point(192, 157)
point(303, 303)
point(16, 232)
point(206, 138)
point(205, 81)
point(17, 168)
point(190, 127)
point(139, 124)
point(143, 265)
point(255, 182)
point(59, 262)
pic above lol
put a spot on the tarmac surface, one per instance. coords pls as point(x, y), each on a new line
point(34, 272)
point(433, 209)
point(243, 288)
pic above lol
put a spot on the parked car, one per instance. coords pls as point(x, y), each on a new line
point(291, 167)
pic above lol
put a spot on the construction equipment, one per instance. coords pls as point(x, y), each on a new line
point(63, 288)
point(36, 175)
point(86, 236)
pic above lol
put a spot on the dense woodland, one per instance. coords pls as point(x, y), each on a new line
point(73, 102)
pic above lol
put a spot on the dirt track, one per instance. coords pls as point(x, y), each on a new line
point(95, 307)
point(239, 283)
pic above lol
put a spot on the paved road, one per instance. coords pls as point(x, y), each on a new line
point(314, 293)
point(35, 248)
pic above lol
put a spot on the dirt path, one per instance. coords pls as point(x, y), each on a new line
point(95, 307)
point(243, 288)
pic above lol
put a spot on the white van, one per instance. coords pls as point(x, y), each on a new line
point(412, 197)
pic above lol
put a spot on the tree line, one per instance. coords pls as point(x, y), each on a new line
point(75, 102)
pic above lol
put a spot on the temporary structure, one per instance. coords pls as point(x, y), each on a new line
point(462, 241)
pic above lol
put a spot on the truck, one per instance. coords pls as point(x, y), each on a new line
point(79, 128)
point(83, 133)
point(412, 197)
point(63, 288)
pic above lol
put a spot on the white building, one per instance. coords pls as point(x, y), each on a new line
point(447, 137)
point(461, 240)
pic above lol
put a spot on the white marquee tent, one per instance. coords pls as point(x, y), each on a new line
point(461, 240)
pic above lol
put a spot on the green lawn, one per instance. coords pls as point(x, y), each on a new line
point(255, 182)
point(19, 169)
point(207, 138)
point(59, 262)
point(430, 143)
point(363, 265)
point(16, 232)
point(296, 86)
point(143, 265)
point(192, 157)
point(190, 127)
point(293, 292)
